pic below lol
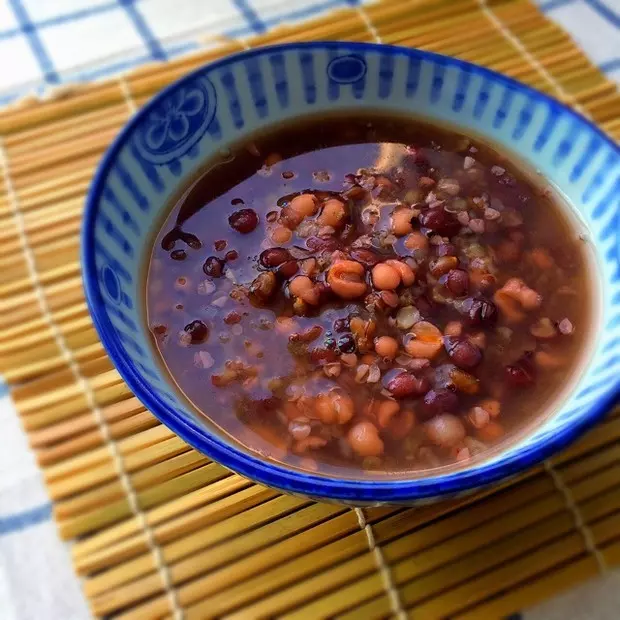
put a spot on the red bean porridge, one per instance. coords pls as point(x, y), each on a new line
point(368, 293)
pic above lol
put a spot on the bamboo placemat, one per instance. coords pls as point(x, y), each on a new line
point(159, 530)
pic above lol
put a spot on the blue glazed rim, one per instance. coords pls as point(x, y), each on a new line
point(295, 481)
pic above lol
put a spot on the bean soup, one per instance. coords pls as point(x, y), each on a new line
point(369, 294)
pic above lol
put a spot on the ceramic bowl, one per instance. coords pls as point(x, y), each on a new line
point(188, 122)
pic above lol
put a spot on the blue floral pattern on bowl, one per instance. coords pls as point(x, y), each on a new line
point(177, 122)
point(163, 145)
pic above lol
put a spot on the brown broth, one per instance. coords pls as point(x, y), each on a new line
point(263, 363)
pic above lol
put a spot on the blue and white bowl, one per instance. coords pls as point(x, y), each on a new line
point(167, 140)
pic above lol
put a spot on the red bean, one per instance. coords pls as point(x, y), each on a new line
point(440, 401)
point(214, 267)
point(341, 325)
point(274, 257)
point(198, 331)
point(440, 221)
point(231, 255)
point(178, 255)
point(232, 318)
point(405, 385)
point(243, 221)
point(323, 355)
point(320, 244)
point(288, 269)
point(346, 343)
point(520, 374)
point(367, 257)
point(463, 353)
point(457, 281)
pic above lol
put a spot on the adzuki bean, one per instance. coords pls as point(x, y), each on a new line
point(244, 221)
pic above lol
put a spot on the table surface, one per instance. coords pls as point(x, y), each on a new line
point(48, 43)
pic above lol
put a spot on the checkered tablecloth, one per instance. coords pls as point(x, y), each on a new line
point(47, 43)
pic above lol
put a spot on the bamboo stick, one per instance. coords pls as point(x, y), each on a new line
point(49, 175)
point(342, 599)
point(264, 582)
point(50, 215)
point(59, 317)
point(535, 591)
point(36, 368)
point(404, 522)
point(605, 529)
point(148, 79)
point(441, 548)
point(96, 458)
point(64, 153)
point(46, 144)
point(377, 609)
point(98, 475)
point(304, 517)
point(274, 605)
point(67, 225)
point(70, 127)
point(587, 466)
point(601, 90)
point(57, 433)
point(41, 194)
point(598, 436)
point(287, 510)
point(122, 428)
point(37, 402)
point(606, 532)
point(27, 341)
point(611, 554)
point(600, 505)
point(224, 589)
point(244, 496)
point(87, 97)
point(55, 270)
point(492, 554)
point(113, 513)
point(595, 484)
point(232, 536)
point(82, 549)
point(419, 584)
point(112, 491)
point(503, 577)
point(533, 511)
point(75, 405)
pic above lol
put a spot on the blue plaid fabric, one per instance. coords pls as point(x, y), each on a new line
point(48, 42)
point(45, 43)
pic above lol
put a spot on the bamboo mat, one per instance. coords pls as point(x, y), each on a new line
point(158, 529)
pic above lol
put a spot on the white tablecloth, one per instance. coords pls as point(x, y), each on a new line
point(44, 43)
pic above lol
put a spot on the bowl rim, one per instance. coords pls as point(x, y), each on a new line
point(278, 475)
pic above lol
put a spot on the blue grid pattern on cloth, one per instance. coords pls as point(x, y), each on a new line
point(49, 42)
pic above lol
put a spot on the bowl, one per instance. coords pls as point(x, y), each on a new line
point(164, 143)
